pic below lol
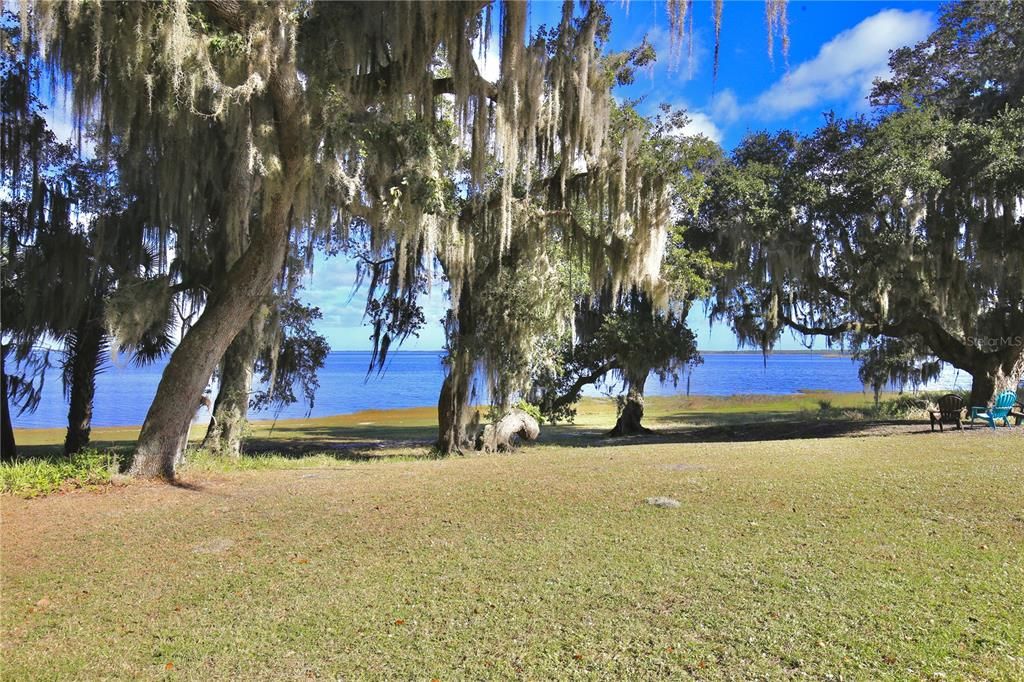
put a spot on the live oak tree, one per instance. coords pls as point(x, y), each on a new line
point(908, 228)
point(501, 239)
point(175, 80)
point(630, 335)
point(274, 108)
point(629, 341)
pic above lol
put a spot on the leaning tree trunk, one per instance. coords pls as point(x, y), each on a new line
point(164, 433)
point(231, 410)
point(997, 372)
point(88, 346)
point(503, 435)
point(161, 444)
point(629, 421)
point(8, 449)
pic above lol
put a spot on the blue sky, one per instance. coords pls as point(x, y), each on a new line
point(836, 50)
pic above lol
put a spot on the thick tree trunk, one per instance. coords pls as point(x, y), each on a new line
point(161, 445)
point(453, 403)
point(8, 449)
point(997, 373)
point(82, 382)
point(231, 410)
point(629, 421)
point(452, 406)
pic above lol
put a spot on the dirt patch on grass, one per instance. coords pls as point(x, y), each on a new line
point(61, 513)
point(213, 546)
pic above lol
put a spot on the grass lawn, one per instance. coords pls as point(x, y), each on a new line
point(873, 557)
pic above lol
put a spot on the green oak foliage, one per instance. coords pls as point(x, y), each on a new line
point(906, 227)
point(630, 342)
point(291, 361)
point(629, 335)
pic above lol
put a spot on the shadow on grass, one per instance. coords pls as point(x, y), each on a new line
point(185, 485)
point(54, 453)
point(346, 443)
point(718, 428)
point(387, 442)
point(381, 442)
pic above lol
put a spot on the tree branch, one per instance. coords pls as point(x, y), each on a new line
point(942, 343)
point(376, 82)
point(572, 394)
point(230, 12)
point(843, 328)
point(446, 86)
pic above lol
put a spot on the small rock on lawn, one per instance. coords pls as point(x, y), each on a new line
point(663, 502)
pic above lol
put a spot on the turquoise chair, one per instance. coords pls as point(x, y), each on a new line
point(1000, 409)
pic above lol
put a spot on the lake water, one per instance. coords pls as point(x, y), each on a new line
point(413, 379)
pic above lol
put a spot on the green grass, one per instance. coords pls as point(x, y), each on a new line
point(37, 476)
point(406, 433)
point(897, 557)
point(393, 434)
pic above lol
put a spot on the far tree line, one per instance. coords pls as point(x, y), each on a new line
point(572, 234)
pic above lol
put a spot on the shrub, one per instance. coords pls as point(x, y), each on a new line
point(905, 405)
point(531, 409)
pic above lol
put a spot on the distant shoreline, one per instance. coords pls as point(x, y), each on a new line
point(414, 377)
point(429, 412)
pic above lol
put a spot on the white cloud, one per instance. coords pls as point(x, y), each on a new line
point(846, 65)
point(725, 107)
point(701, 124)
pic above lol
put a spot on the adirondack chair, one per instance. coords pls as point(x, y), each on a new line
point(1000, 409)
point(949, 409)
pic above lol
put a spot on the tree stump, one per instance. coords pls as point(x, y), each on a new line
point(502, 435)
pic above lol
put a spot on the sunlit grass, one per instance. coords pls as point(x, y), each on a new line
point(36, 476)
point(857, 558)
